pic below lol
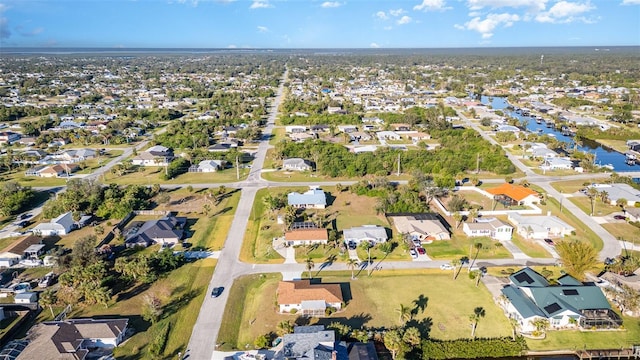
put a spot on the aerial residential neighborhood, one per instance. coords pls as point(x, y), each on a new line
point(290, 205)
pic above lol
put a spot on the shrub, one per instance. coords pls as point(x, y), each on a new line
point(261, 342)
point(159, 341)
point(471, 349)
point(293, 311)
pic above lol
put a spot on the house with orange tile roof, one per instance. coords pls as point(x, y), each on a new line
point(308, 298)
point(306, 236)
point(509, 195)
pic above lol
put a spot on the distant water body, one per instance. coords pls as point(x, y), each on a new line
point(482, 51)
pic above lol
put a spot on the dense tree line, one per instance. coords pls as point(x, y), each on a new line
point(90, 197)
point(459, 153)
point(14, 198)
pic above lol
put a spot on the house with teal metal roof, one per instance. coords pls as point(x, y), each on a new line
point(569, 303)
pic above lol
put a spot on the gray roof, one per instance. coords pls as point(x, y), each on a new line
point(620, 191)
point(164, 228)
point(540, 222)
point(525, 306)
point(311, 197)
point(310, 342)
point(366, 232)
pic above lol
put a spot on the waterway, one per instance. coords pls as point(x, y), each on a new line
point(603, 155)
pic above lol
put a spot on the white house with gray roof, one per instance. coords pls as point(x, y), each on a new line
point(314, 198)
point(540, 226)
point(489, 227)
point(312, 342)
point(619, 191)
point(61, 225)
point(374, 234)
point(296, 164)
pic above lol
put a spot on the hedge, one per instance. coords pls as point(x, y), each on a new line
point(471, 349)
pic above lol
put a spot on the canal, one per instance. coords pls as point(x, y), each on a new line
point(603, 155)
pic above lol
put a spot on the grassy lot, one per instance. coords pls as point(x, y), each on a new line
point(296, 176)
point(569, 187)
point(277, 135)
point(251, 309)
point(34, 181)
point(212, 232)
point(152, 175)
point(530, 247)
point(600, 208)
point(461, 245)
point(260, 230)
point(618, 145)
point(624, 231)
point(475, 198)
point(319, 254)
point(400, 252)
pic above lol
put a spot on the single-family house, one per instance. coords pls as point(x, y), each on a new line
point(509, 195)
point(154, 156)
point(72, 338)
point(296, 164)
point(312, 342)
point(61, 225)
point(542, 153)
point(401, 127)
point(306, 236)
point(632, 214)
point(508, 128)
point(58, 170)
point(360, 136)
point(423, 227)
point(619, 191)
point(364, 149)
point(529, 296)
point(556, 163)
point(388, 135)
point(17, 250)
point(347, 128)
point(208, 166)
point(374, 234)
point(166, 231)
point(490, 227)
point(9, 137)
point(314, 198)
point(540, 226)
point(308, 298)
point(75, 155)
point(300, 137)
point(293, 129)
point(320, 128)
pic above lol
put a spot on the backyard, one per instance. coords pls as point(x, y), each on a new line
point(370, 303)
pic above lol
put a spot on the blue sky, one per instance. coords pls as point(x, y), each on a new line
point(318, 23)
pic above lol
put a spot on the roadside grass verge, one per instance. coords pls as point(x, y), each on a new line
point(461, 245)
point(152, 175)
point(530, 247)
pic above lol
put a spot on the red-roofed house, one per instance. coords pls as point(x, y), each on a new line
point(310, 299)
point(509, 195)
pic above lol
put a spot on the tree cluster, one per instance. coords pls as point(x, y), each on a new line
point(14, 198)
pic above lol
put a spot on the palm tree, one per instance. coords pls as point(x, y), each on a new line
point(309, 265)
point(515, 324)
point(412, 337)
point(367, 246)
point(458, 218)
point(604, 196)
point(478, 247)
point(592, 193)
point(49, 298)
point(622, 202)
point(540, 324)
point(352, 264)
point(405, 313)
point(284, 327)
point(455, 263)
point(577, 257)
point(473, 214)
point(478, 313)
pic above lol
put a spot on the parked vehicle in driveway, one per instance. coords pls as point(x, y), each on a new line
point(421, 250)
point(413, 254)
point(619, 217)
point(549, 241)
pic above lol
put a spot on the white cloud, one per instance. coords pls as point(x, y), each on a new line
point(260, 4)
point(381, 15)
point(431, 5)
point(263, 29)
point(404, 20)
point(374, 45)
point(232, 46)
point(331, 4)
point(564, 12)
point(624, 2)
point(397, 12)
point(537, 5)
point(486, 26)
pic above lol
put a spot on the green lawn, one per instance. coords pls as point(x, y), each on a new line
point(577, 340)
point(33, 181)
point(277, 135)
point(571, 186)
point(624, 231)
point(371, 302)
point(530, 247)
point(599, 208)
point(461, 245)
point(319, 254)
point(152, 175)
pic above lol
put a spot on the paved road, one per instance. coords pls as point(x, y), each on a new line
point(205, 331)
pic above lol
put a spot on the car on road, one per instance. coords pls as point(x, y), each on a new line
point(446, 267)
point(217, 291)
point(421, 250)
point(413, 254)
point(352, 245)
point(619, 217)
point(24, 216)
point(549, 241)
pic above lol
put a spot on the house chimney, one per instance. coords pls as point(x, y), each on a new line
point(334, 355)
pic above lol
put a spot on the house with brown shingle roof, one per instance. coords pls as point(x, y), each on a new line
point(509, 195)
point(308, 298)
point(311, 236)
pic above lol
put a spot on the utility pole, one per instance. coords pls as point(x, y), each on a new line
point(237, 168)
